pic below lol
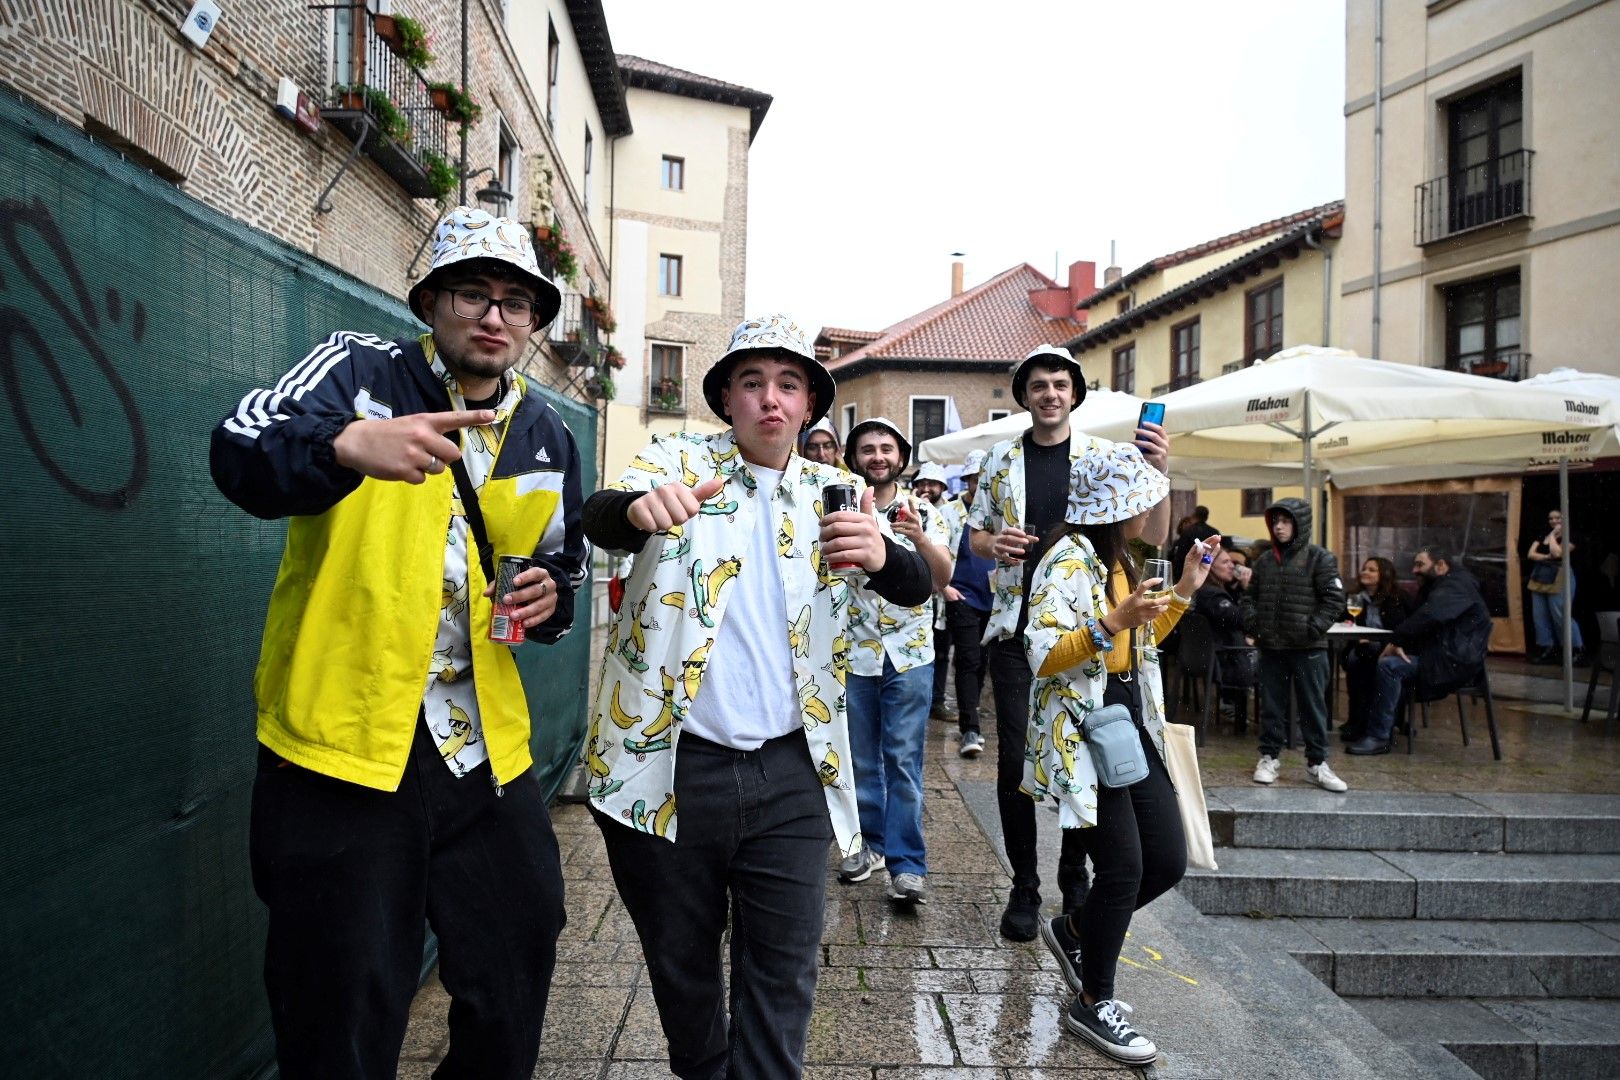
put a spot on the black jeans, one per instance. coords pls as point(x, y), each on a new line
point(1306, 672)
point(752, 833)
point(349, 875)
point(1138, 851)
point(1010, 678)
point(965, 626)
point(1360, 666)
point(942, 662)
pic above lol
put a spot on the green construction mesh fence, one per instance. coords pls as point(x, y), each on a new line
point(131, 320)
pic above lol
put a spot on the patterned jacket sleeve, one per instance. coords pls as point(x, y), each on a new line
point(1056, 601)
point(605, 522)
point(562, 549)
point(272, 456)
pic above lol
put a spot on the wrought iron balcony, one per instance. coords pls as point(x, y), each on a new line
point(1473, 198)
point(573, 334)
point(1511, 366)
point(382, 104)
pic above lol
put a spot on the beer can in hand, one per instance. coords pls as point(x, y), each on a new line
point(836, 497)
point(504, 625)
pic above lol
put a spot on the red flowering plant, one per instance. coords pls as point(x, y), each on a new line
point(561, 254)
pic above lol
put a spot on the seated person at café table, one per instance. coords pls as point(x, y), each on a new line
point(1381, 604)
point(1235, 660)
point(1440, 646)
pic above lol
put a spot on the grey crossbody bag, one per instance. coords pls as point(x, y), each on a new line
point(1116, 749)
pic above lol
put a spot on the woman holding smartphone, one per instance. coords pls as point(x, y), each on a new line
point(1092, 625)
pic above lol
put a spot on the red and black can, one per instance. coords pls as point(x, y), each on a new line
point(504, 625)
point(836, 497)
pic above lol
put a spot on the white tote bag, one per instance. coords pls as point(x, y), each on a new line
point(1181, 760)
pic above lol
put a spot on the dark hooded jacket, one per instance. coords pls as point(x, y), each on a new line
point(1295, 593)
point(1449, 633)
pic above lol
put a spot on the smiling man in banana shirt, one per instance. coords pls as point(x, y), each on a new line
point(732, 647)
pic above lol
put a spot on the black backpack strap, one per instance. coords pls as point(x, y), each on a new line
point(475, 519)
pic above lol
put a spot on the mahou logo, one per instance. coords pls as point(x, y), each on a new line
point(1581, 409)
point(1262, 409)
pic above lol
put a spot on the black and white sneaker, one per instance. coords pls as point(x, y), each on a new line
point(1065, 946)
point(1104, 1026)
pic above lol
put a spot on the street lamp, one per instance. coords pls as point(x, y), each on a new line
point(495, 197)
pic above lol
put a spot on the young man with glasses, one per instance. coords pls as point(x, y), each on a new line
point(394, 775)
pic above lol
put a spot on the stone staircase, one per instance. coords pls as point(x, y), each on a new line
point(1487, 925)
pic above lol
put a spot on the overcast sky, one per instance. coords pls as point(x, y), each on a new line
point(1014, 131)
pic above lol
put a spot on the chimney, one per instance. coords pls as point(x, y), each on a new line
point(956, 278)
point(1112, 273)
point(1082, 280)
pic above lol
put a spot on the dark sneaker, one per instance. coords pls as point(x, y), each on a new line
point(1066, 947)
point(1022, 919)
point(1367, 745)
point(972, 745)
point(908, 889)
point(1104, 1026)
point(859, 866)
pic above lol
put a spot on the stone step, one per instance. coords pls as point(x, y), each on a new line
point(1306, 818)
point(1508, 1038)
point(1405, 885)
point(1452, 958)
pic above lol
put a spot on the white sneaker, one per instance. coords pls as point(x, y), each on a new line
point(1322, 777)
point(1266, 772)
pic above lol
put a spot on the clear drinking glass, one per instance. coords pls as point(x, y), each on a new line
point(1158, 568)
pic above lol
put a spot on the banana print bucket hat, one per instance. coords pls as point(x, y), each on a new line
point(1112, 482)
point(467, 234)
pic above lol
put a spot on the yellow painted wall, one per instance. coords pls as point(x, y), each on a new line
point(679, 127)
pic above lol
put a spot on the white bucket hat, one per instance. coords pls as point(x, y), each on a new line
point(770, 333)
point(1112, 482)
point(1049, 354)
point(887, 425)
point(930, 470)
point(973, 462)
point(468, 234)
point(823, 424)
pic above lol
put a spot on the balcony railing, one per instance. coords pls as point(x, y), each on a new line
point(382, 104)
point(1472, 198)
point(1510, 366)
point(666, 396)
point(1177, 383)
point(573, 333)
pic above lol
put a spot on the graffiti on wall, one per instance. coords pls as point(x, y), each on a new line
point(29, 231)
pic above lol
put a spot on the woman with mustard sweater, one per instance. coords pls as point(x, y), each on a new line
point(1091, 642)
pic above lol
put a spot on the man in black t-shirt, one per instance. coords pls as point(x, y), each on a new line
point(1023, 490)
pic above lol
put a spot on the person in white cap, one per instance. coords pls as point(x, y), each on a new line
point(891, 676)
point(394, 774)
point(718, 748)
point(967, 613)
point(1093, 628)
point(821, 444)
point(928, 485)
point(1020, 499)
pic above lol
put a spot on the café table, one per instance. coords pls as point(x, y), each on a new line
point(1341, 636)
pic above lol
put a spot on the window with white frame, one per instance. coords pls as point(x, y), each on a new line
point(1000, 414)
point(553, 70)
point(669, 275)
point(927, 419)
point(673, 174)
point(848, 423)
point(509, 162)
point(666, 377)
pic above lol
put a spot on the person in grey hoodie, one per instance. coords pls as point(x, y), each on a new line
point(1294, 596)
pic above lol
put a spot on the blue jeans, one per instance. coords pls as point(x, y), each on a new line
point(1547, 609)
point(888, 725)
point(1393, 673)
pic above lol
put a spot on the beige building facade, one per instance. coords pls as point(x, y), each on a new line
point(1212, 308)
point(679, 247)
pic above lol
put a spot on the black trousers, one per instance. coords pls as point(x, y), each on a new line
point(1360, 667)
point(964, 624)
point(942, 663)
point(1138, 850)
point(350, 874)
point(751, 834)
point(1010, 679)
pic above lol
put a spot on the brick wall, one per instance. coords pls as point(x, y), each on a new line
point(889, 393)
point(205, 119)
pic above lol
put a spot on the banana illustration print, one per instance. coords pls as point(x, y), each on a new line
point(828, 768)
point(676, 600)
point(692, 668)
point(706, 587)
point(444, 668)
point(799, 633)
point(683, 544)
point(453, 598)
point(656, 823)
point(784, 537)
point(655, 736)
point(1070, 565)
point(688, 477)
point(815, 710)
point(621, 719)
point(600, 786)
point(460, 731)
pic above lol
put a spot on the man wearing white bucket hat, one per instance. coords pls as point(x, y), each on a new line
point(394, 775)
point(967, 613)
point(928, 486)
point(821, 444)
point(891, 674)
point(731, 646)
point(1021, 494)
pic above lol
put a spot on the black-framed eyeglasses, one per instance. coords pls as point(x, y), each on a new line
point(472, 304)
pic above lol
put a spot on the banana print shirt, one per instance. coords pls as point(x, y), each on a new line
point(450, 704)
point(905, 634)
point(1070, 579)
point(998, 504)
point(675, 602)
point(954, 511)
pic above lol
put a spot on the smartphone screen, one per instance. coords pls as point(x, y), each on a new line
point(1152, 413)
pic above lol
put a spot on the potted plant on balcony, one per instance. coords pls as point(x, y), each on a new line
point(456, 105)
point(441, 174)
point(551, 240)
point(613, 359)
point(666, 395)
point(600, 385)
point(406, 37)
point(390, 121)
point(603, 314)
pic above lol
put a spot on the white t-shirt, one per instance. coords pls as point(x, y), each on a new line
point(748, 693)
